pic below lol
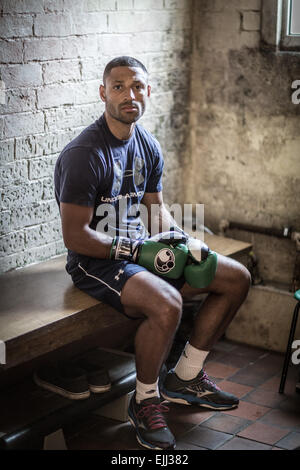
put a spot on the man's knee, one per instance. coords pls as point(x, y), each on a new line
point(242, 279)
point(168, 313)
point(232, 278)
point(245, 278)
point(147, 295)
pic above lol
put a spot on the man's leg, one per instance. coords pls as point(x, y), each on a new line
point(146, 295)
point(226, 292)
point(133, 290)
point(188, 382)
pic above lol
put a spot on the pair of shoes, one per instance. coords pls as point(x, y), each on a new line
point(72, 381)
point(152, 431)
point(147, 417)
point(199, 391)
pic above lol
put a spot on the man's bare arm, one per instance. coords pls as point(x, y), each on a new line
point(77, 234)
point(161, 219)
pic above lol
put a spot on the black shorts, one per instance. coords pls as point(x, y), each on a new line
point(105, 279)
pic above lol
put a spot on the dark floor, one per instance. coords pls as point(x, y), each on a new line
point(264, 419)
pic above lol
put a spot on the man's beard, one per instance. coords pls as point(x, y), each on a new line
point(122, 116)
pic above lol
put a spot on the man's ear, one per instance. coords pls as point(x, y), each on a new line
point(102, 93)
point(148, 90)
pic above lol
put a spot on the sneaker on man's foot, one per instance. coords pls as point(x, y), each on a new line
point(67, 381)
point(152, 431)
point(199, 391)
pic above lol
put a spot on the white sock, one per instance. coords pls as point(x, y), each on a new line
point(190, 362)
point(144, 391)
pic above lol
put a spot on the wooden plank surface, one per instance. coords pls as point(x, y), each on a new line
point(41, 310)
point(38, 296)
point(223, 245)
point(43, 294)
point(226, 246)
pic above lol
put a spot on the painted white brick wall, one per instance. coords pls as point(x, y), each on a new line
point(52, 55)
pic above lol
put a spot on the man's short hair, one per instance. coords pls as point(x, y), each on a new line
point(123, 61)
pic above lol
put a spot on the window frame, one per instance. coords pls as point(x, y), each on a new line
point(274, 32)
point(288, 41)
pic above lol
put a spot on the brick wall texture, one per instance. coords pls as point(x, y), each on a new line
point(220, 107)
point(52, 55)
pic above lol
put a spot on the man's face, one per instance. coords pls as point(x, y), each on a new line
point(125, 93)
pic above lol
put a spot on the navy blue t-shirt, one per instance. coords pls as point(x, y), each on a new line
point(98, 170)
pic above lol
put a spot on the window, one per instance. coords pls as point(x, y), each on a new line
point(290, 25)
point(281, 24)
point(294, 23)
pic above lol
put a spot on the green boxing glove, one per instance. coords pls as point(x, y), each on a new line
point(165, 254)
point(201, 267)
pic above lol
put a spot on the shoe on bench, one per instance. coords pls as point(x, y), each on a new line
point(97, 376)
point(63, 379)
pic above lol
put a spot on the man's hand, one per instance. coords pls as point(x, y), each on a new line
point(165, 254)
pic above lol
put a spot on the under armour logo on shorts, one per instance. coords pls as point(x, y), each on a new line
point(117, 277)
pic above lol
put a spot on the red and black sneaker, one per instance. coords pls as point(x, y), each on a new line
point(152, 430)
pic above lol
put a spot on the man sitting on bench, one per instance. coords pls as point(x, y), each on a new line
point(115, 164)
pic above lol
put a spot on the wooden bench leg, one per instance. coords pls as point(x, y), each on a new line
point(55, 441)
point(117, 409)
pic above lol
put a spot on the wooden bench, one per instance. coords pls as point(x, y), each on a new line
point(42, 311)
point(42, 316)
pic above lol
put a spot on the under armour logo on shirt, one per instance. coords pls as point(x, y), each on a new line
point(136, 173)
point(117, 277)
point(138, 166)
